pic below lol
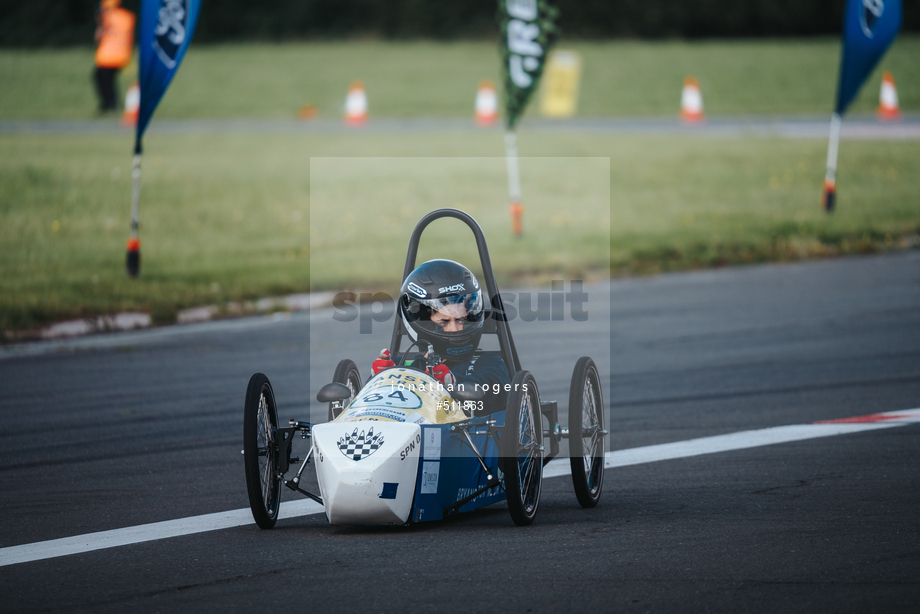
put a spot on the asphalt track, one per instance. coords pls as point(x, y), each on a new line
point(807, 127)
point(120, 431)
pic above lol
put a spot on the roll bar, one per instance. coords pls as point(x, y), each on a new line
point(496, 322)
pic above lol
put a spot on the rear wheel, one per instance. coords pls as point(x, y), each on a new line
point(261, 451)
point(586, 437)
point(522, 443)
point(345, 373)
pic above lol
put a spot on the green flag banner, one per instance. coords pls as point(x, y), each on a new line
point(528, 30)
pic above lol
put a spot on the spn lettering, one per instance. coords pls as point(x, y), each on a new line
point(405, 453)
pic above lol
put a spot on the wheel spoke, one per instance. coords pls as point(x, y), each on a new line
point(592, 440)
point(587, 447)
point(528, 465)
point(353, 387)
point(522, 450)
point(266, 454)
point(266, 484)
point(528, 455)
point(261, 451)
point(264, 421)
point(526, 472)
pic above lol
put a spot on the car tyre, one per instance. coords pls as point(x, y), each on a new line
point(586, 438)
point(522, 449)
point(261, 451)
point(345, 373)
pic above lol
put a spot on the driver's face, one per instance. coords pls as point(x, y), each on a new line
point(450, 318)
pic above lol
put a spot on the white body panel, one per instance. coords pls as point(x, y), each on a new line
point(366, 470)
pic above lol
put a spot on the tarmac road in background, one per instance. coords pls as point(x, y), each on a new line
point(143, 427)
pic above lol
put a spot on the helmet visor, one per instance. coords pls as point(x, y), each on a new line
point(448, 316)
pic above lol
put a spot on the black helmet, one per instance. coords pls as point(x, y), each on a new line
point(449, 292)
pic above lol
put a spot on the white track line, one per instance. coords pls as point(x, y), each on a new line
point(145, 533)
point(560, 467)
point(743, 440)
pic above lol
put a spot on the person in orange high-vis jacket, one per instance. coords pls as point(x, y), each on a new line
point(115, 37)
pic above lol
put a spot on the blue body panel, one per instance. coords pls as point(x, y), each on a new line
point(449, 471)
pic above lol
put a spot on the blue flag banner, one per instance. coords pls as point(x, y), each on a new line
point(166, 28)
point(869, 27)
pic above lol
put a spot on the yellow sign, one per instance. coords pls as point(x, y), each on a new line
point(561, 80)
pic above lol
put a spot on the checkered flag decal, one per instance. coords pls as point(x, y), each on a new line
point(357, 446)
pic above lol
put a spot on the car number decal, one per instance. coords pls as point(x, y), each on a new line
point(388, 396)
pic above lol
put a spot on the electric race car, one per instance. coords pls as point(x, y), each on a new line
point(402, 448)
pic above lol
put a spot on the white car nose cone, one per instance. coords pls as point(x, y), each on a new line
point(367, 470)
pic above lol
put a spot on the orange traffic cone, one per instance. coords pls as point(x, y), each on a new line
point(132, 106)
point(888, 99)
point(486, 104)
point(517, 214)
point(356, 104)
point(308, 112)
point(691, 102)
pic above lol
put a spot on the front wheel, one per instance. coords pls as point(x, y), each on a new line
point(522, 443)
point(261, 451)
point(586, 432)
point(346, 372)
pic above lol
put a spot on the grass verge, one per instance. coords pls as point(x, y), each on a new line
point(428, 79)
point(228, 217)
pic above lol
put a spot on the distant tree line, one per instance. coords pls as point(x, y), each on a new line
point(33, 23)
